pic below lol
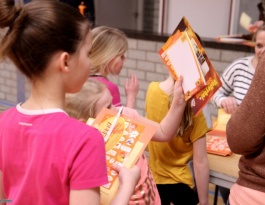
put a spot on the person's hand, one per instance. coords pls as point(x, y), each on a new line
point(131, 90)
point(229, 104)
point(178, 95)
point(128, 177)
point(130, 112)
point(254, 27)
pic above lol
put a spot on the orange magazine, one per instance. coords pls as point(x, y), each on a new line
point(125, 144)
point(209, 81)
point(217, 144)
point(216, 141)
point(180, 58)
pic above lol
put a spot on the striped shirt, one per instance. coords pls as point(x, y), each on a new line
point(236, 80)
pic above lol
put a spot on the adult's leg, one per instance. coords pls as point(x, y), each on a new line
point(224, 193)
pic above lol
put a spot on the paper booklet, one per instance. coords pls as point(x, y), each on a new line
point(126, 140)
point(216, 141)
point(184, 55)
point(180, 57)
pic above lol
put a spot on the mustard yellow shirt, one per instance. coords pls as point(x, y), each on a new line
point(168, 160)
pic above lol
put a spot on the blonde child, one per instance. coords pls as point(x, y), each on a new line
point(46, 157)
point(107, 56)
point(169, 160)
point(94, 96)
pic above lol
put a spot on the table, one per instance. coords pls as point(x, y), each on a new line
point(223, 171)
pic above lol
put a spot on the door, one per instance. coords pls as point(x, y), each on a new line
point(124, 14)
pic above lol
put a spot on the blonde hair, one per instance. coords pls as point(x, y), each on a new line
point(187, 118)
point(82, 105)
point(107, 43)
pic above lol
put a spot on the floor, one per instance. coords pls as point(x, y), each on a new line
point(211, 196)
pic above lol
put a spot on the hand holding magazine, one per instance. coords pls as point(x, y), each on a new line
point(125, 141)
point(184, 55)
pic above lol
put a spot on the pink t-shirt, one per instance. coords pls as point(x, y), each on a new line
point(145, 191)
point(113, 88)
point(45, 153)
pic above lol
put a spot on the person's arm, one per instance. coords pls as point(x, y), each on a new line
point(201, 169)
point(168, 127)
point(226, 89)
point(246, 127)
point(2, 195)
point(128, 179)
point(83, 197)
point(131, 90)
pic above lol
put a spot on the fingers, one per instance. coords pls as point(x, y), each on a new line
point(125, 174)
point(116, 167)
point(132, 85)
point(229, 104)
point(178, 91)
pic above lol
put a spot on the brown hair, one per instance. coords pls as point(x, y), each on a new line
point(37, 30)
point(261, 28)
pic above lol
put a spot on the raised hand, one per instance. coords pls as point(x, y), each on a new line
point(131, 90)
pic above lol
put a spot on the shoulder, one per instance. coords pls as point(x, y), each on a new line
point(243, 62)
point(153, 85)
point(10, 113)
point(105, 81)
point(80, 129)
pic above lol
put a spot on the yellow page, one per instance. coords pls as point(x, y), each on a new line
point(222, 120)
point(245, 20)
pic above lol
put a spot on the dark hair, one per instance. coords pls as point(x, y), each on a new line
point(37, 30)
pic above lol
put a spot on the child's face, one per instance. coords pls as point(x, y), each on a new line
point(104, 102)
point(116, 64)
point(80, 65)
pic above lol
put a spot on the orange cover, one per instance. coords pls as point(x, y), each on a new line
point(216, 139)
point(125, 145)
point(209, 81)
point(217, 144)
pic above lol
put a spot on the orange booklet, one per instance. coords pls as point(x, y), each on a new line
point(216, 141)
point(180, 57)
point(126, 140)
point(195, 67)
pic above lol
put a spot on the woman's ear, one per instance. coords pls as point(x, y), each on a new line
point(64, 62)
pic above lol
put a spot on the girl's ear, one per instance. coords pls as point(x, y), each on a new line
point(64, 61)
point(82, 120)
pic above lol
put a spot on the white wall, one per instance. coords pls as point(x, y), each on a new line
point(209, 18)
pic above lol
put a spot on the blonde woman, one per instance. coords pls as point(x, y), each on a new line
point(237, 77)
